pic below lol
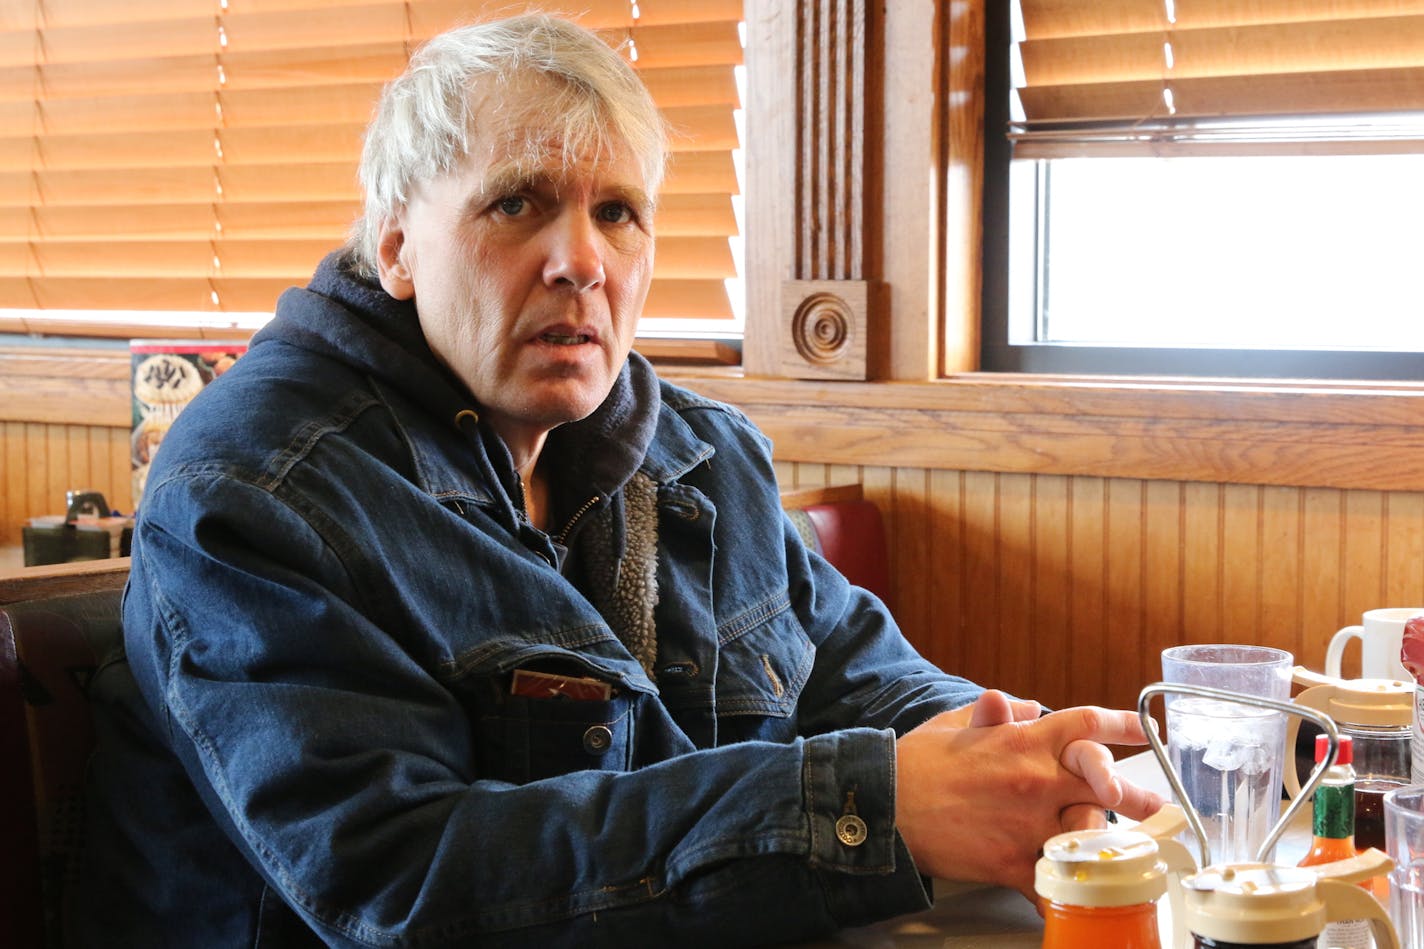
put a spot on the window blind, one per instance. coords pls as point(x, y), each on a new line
point(200, 155)
point(1218, 76)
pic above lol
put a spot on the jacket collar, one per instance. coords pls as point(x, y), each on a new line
point(455, 456)
point(676, 449)
point(447, 469)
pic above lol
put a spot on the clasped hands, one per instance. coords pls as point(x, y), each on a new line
point(979, 789)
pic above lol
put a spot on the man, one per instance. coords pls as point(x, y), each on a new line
point(451, 624)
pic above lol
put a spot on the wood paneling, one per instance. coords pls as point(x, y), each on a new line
point(830, 91)
point(40, 461)
point(1320, 434)
point(1067, 588)
point(886, 205)
point(963, 188)
point(64, 425)
point(822, 321)
point(66, 386)
point(1266, 514)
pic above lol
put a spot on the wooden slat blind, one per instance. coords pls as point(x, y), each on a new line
point(1232, 76)
point(200, 155)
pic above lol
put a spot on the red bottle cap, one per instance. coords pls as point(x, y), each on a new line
point(1345, 754)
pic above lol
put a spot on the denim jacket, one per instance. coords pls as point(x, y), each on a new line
point(314, 740)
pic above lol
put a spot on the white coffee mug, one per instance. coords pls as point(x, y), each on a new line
point(1380, 635)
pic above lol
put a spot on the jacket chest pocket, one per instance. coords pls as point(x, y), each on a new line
point(525, 739)
point(765, 661)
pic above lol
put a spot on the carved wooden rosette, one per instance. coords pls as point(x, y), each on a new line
point(824, 307)
point(824, 325)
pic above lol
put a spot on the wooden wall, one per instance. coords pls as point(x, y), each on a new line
point(1114, 521)
point(41, 461)
point(1066, 588)
point(1060, 586)
point(64, 424)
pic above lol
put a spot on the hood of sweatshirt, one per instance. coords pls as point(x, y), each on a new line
point(343, 317)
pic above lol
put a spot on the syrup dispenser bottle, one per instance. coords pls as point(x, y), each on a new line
point(1264, 906)
point(1376, 714)
point(1100, 887)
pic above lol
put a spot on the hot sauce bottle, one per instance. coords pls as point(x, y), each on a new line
point(1333, 833)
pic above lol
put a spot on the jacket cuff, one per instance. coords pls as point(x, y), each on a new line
point(864, 868)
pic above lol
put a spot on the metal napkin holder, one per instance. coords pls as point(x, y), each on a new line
point(1149, 725)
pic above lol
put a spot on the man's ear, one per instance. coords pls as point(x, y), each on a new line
point(396, 278)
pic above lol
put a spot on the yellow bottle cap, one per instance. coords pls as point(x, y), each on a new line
point(1107, 867)
point(1253, 903)
point(1376, 702)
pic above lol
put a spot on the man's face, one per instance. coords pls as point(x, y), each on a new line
point(528, 274)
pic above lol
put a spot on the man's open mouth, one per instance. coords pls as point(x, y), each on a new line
point(562, 339)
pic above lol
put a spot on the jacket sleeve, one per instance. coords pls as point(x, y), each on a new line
point(343, 769)
point(866, 673)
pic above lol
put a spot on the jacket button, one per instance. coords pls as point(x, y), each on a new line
point(851, 830)
point(597, 739)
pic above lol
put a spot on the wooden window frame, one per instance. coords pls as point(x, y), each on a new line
point(925, 402)
point(1001, 353)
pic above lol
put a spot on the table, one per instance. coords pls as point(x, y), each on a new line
point(967, 916)
point(964, 915)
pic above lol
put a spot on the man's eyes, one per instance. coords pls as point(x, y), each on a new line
point(512, 205)
point(616, 213)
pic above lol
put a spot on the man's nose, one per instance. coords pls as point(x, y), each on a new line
point(575, 253)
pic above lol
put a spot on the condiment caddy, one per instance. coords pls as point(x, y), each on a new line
point(1260, 904)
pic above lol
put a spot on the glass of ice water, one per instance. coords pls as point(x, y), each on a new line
point(1229, 756)
point(1404, 842)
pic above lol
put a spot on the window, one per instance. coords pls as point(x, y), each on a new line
point(178, 163)
point(1228, 189)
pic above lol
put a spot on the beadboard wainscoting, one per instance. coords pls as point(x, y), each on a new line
point(1046, 538)
point(1067, 587)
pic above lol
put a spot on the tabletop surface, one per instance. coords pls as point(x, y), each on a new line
point(963, 916)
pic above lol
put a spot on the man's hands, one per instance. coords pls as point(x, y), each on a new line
point(978, 790)
point(991, 708)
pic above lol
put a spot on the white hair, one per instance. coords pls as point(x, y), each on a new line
point(424, 122)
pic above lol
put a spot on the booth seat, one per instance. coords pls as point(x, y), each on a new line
point(839, 524)
point(49, 650)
